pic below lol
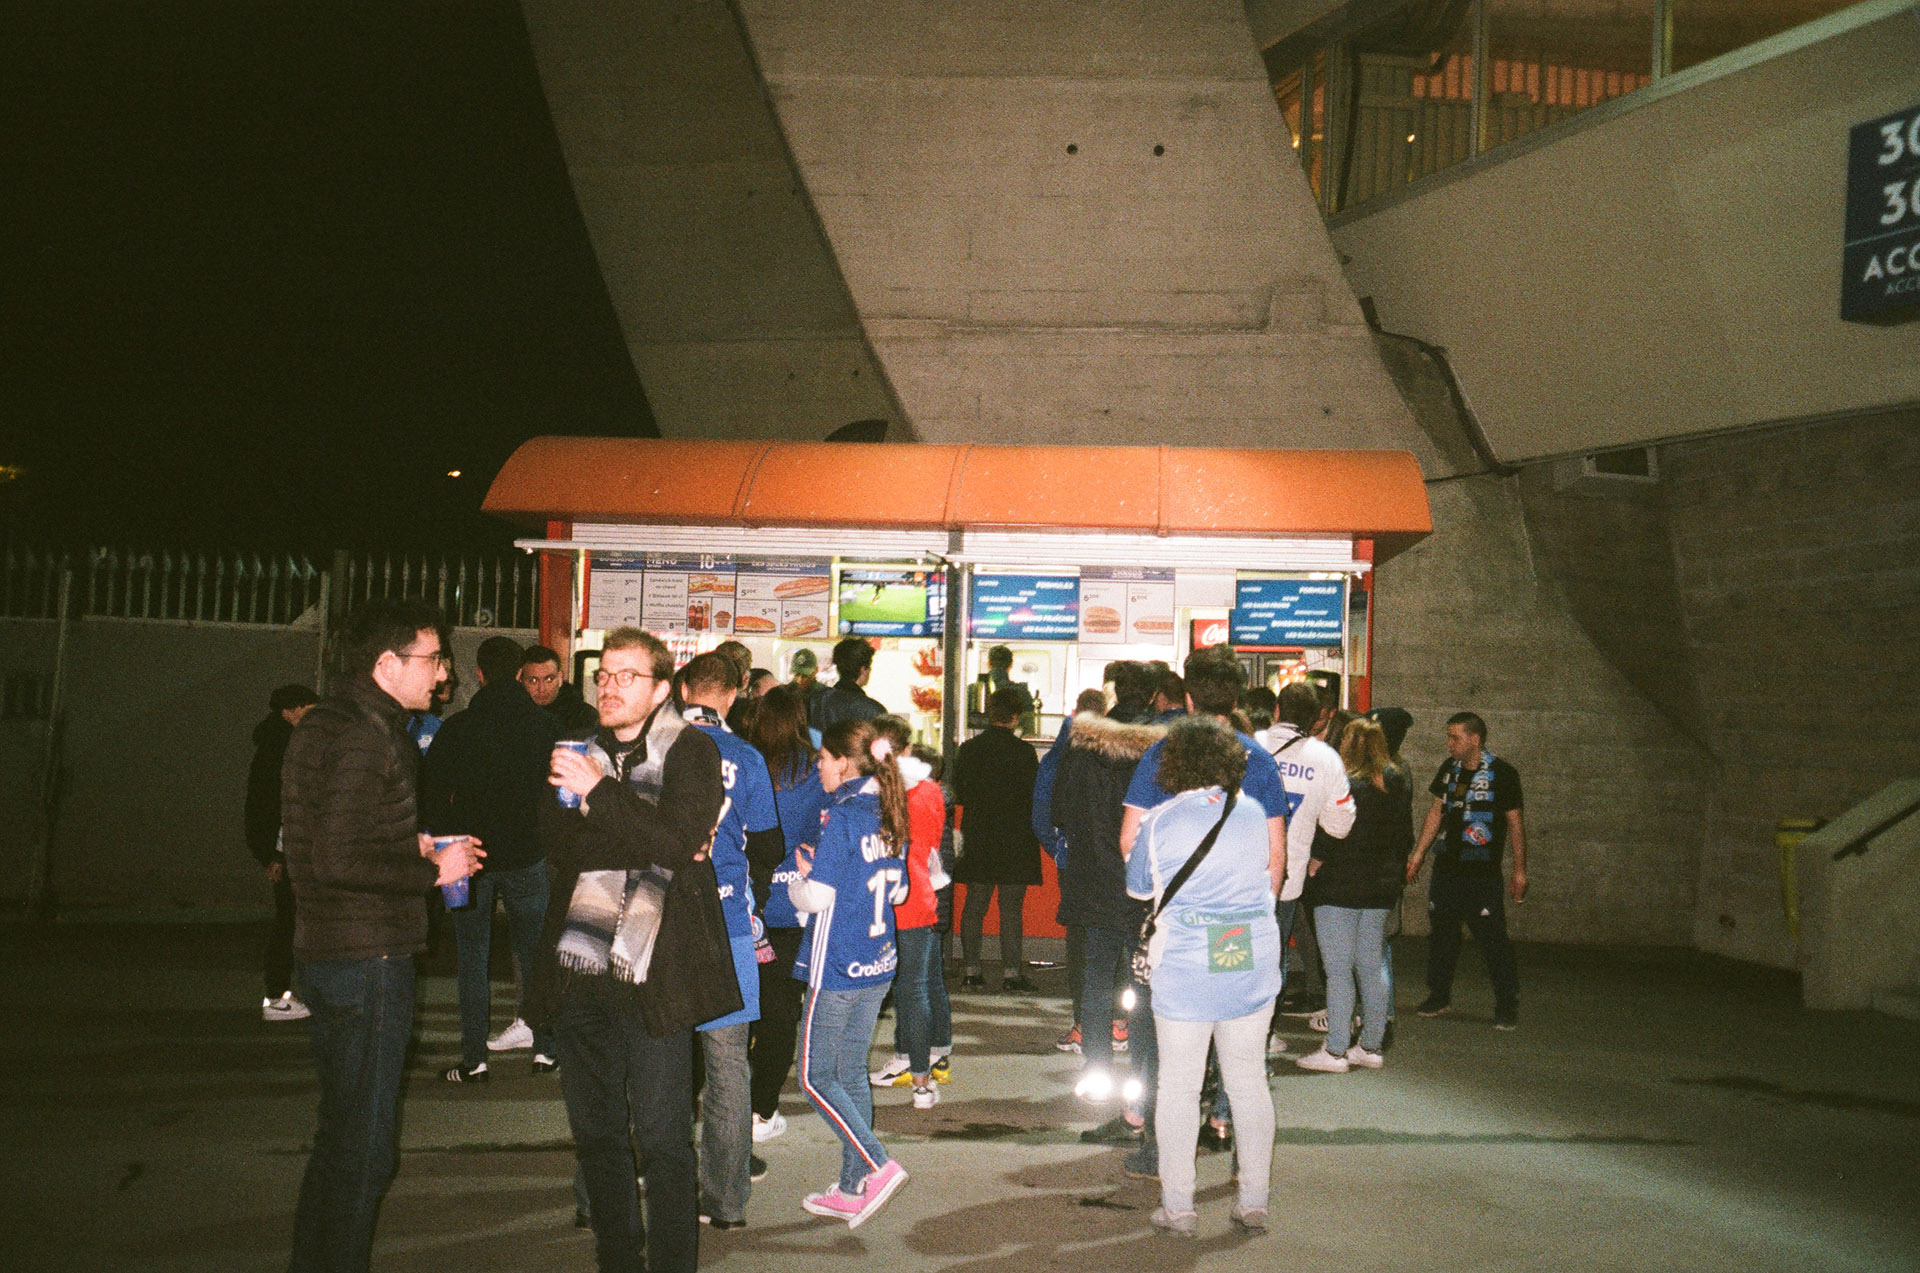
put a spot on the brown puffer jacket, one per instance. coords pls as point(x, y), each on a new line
point(350, 829)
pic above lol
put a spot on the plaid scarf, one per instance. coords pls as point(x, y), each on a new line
point(614, 916)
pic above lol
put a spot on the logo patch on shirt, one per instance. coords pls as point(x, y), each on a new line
point(1229, 947)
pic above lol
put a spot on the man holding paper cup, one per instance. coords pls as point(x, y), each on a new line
point(361, 868)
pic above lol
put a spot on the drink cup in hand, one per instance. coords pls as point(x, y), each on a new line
point(568, 800)
point(458, 893)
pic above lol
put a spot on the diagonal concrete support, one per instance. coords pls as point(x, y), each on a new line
point(727, 293)
point(1073, 222)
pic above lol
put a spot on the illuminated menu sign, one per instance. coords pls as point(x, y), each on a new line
point(1024, 608)
point(1288, 612)
point(1126, 605)
point(1880, 265)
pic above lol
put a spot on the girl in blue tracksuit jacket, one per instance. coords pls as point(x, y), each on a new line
point(850, 885)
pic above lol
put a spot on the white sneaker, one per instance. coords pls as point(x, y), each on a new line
point(516, 1036)
point(285, 1008)
point(1318, 1021)
point(894, 1074)
point(765, 1129)
point(926, 1097)
point(1357, 1055)
point(1323, 1061)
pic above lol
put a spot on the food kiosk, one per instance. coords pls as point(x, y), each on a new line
point(1071, 557)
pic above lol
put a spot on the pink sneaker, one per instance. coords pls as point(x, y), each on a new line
point(833, 1203)
point(880, 1186)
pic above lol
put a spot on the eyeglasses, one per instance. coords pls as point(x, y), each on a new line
point(624, 678)
point(437, 657)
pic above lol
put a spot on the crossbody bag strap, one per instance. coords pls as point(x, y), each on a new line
point(1206, 845)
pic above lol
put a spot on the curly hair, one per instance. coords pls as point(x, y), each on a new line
point(1201, 751)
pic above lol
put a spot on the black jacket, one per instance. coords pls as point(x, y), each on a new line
point(262, 817)
point(845, 701)
point(1367, 869)
point(691, 978)
point(351, 834)
point(576, 717)
point(993, 775)
point(486, 775)
point(1089, 793)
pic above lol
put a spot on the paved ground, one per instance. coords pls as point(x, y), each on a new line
point(1657, 1110)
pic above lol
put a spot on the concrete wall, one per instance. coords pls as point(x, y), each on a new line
point(1798, 560)
point(1474, 619)
point(153, 756)
point(727, 294)
point(1672, 270)
point(1073, 222)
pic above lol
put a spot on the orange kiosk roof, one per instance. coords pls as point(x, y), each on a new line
point(1163, 490)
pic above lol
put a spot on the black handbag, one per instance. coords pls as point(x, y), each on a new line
point(1142, 968)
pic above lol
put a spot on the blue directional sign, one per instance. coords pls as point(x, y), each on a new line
point(1025, 608)
point(1288, 612)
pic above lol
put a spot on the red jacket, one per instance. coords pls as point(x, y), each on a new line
point(927, 822)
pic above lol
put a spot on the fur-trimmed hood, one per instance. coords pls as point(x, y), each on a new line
point(1113, 740)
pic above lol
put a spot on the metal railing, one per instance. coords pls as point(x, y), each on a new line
point(243, 587)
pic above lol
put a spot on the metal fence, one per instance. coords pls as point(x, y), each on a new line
point(241, 587)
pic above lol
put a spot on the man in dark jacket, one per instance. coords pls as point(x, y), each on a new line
point(993, 775)
point(1088, 795)
point(360, 868)
point(848, 699)
point(549, 688)
point(486, 776)
point(285, 707)
point(640, 952)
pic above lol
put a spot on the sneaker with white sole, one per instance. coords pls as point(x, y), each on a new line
point(765, 1129)
point(1323, 1061)
point(1318, 1021)
point(894, 1074)
point(942, 1070)
point(880, 1186)
point(284, 1008)
point(544, 1064)
point(516, 1036)
point(1183, 1223)
point(926, 1097)
point(466, 1074)
point(1357, 1055)
point(832, 1203)
point(1070, 1041)
point(1249, 1219)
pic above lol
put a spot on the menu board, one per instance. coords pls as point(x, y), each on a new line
point(782, 598)
point(1025, 608)
point(1126, 605)
point(687, 596)
point(613, 591)
point(1289, 612)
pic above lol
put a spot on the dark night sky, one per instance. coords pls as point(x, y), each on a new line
point(269, 270)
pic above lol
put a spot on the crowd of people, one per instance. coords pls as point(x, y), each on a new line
point(711, 871)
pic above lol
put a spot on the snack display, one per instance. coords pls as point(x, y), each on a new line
point(755, 624)
point(803, 586)
point(1101, 619)
point(802, 625)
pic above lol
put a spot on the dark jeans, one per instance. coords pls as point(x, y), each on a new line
point(1480, 904)
point(922, 1015)
point(1109, 951)
point(973, 917)
point(770, 1054)
point(279, 961)
point(615, 1075)
point(1313, 974)
point(1143, 1058)
point(362, 1019)
point(523, 892)
point(1076, 965)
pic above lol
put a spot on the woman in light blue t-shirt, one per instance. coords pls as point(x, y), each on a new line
point(1216, 962)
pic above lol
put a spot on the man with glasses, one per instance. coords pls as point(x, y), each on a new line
point(642, 953)
point(540, 674)
point(360, 868)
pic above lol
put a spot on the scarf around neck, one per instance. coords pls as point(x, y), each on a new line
point(614, 917)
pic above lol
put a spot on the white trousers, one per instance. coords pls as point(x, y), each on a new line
point(1242, 1044)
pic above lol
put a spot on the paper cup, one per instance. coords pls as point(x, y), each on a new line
point(460, 892)
point(567, 799)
